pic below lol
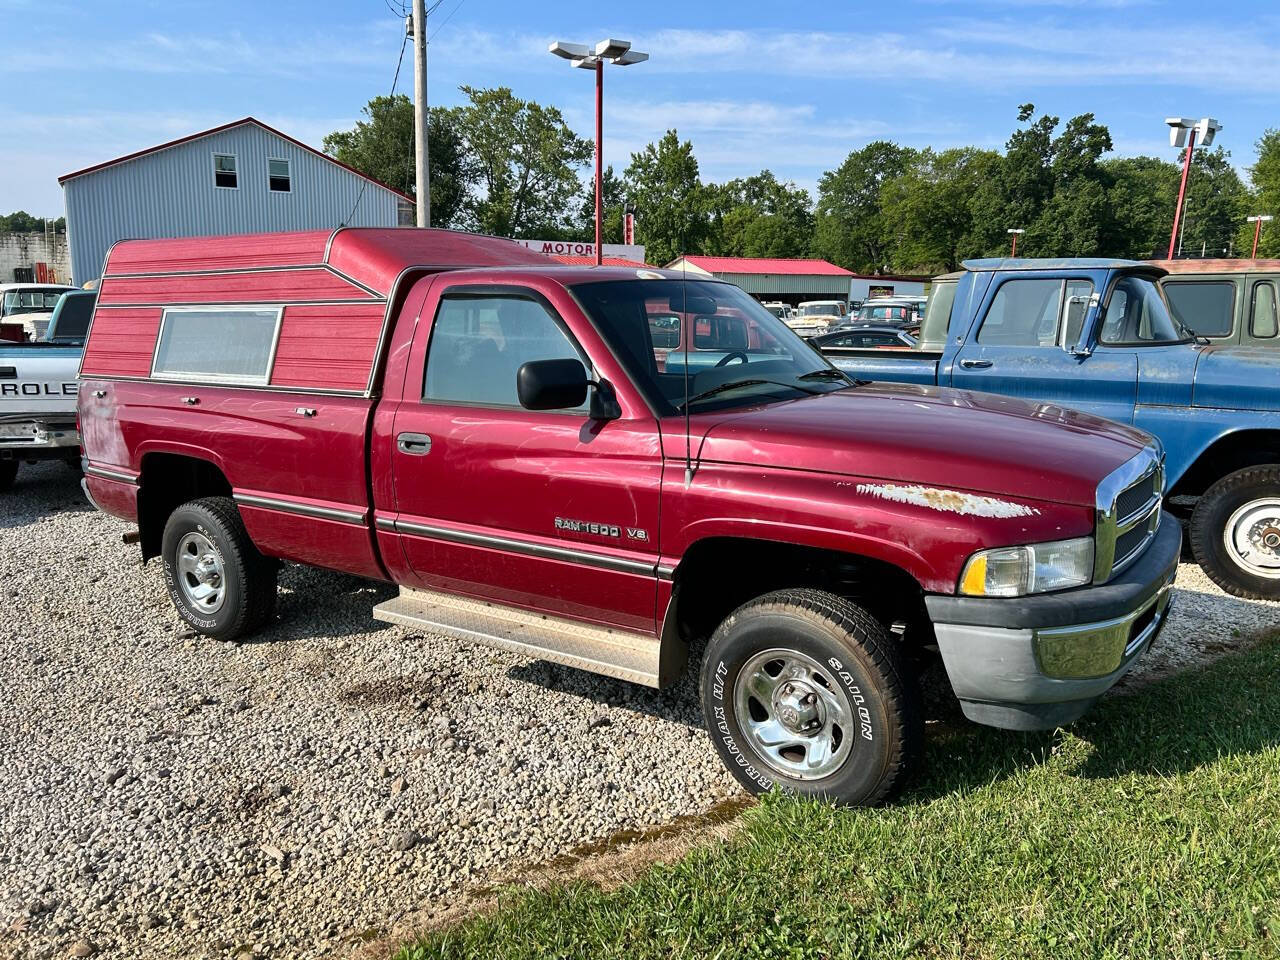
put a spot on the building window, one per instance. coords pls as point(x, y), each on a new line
point(278, 176)
point(224, 171)
point(219, 344)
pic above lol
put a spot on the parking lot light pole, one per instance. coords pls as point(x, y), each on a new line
point(1257, 222)
point(1183, 130)
point(1013, 252)
point(619, 53)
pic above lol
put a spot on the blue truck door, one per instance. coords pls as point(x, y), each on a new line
point(1022, 344)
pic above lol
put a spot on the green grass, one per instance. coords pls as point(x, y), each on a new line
point(1151, 830)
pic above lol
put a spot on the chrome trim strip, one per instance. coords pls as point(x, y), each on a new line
point(102, 473)
point(384, 523)
point(302, 509)
point(666, 573)
point(236, 271)
point(585, 557)
point(273, 388)
point(355, 301)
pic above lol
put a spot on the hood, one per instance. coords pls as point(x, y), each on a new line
point(1238, 378)
point(931, 436)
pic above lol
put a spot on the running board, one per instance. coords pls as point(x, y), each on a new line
point(615, 653)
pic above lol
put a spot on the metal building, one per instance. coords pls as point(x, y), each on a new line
point(241, 177)
point(796, 280)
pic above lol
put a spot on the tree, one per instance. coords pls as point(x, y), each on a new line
point(850, 227)
point(759, 216)
point(526, 162)
point(613, 193)
point(382, 147)
point(929, 209)
point(671, 202)
point(1216, 205)
point(1076, 220)
point(1265, 176)
point(1142, 194)
point(23, 222)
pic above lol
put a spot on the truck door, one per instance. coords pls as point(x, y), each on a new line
point(1023, 344)
point(547, 510)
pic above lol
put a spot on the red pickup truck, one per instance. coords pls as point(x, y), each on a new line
point(517, 445)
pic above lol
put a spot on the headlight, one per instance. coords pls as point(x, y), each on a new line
point(1035, 568)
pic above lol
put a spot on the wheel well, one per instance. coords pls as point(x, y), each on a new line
point(167, 482)
point(718, 575)
point(1225, 455)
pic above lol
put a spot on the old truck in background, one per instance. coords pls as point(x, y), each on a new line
point(1228, 302)
point(1097, 336)
point(38, 389)
point(503, 438)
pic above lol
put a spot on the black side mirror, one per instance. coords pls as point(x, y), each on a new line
point(552, 384)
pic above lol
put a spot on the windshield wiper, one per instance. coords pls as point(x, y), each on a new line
point(825, 373)
point(735, 384)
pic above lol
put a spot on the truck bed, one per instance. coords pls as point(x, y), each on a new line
point(899, 366)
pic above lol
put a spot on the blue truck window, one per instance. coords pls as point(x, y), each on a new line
point(1136, 315)
point(1262, 321)
point(1024, 313)
point(1207, 307)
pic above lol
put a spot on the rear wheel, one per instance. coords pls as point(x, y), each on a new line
point(1235, 533)
point(8, 472)
point(218, 581)
point(803, 690)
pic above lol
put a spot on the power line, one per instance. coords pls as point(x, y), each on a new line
point(364, 180)
point(446, 19)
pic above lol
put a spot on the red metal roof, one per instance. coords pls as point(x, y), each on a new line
point(779, 265)
point(591, 261)
point(227, 126)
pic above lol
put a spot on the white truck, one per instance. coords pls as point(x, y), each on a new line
point(38, 390)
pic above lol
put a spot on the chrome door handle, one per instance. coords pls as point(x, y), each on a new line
point(99, 394)
point(305, 411)
point(190, 401)
point(975, 364)
point(415, 444)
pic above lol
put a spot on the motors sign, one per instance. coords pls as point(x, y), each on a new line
point(569, 248)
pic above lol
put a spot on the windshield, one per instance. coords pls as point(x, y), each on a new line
point(31, 301)
point(883, 311)
point(820, 310)
point(734, 351)
point(1136, 315)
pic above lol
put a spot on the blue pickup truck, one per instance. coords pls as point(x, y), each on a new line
point(1097, 335)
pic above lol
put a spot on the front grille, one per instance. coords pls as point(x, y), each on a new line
point(1128, 513)
point(1136, 497)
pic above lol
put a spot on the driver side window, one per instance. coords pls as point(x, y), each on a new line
point(478, 343)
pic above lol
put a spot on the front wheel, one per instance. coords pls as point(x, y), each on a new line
point(8, 473)
point(803, 690)
point(1235, 533)
point(218, 581)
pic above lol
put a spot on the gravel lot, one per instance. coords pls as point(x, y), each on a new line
point(164, 795)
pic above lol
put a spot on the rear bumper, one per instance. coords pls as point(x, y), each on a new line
point(38, 439)
point(1034, 663)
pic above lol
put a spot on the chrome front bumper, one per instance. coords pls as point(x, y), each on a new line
point(1040, 662)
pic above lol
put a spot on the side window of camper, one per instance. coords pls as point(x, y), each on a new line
point(478, 343)
point(217, 344)
point(1263, 320)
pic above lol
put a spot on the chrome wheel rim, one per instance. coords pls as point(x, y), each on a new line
point(1252, 538)
point(795, 714)
point(201, 574)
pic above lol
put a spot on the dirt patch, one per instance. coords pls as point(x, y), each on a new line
point(607, 864)
point(382, 693)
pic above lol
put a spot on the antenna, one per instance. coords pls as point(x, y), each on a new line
point(687, 333)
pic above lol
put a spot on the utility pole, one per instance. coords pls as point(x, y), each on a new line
point(422, 168)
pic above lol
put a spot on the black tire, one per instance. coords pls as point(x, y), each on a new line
point(8, 473)
point(859, 662)
point(248, 579)
point(1209, 523)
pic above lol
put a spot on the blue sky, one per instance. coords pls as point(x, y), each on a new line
point(788, 86)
